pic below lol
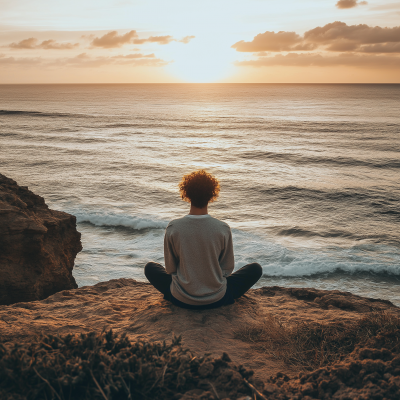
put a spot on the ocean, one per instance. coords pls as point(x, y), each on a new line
point(310, 174)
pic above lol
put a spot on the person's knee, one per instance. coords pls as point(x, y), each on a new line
point(256, 270)
point(148, 269)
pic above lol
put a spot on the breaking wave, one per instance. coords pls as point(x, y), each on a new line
point(278, 260)
point(308, 266)
point(100, 218)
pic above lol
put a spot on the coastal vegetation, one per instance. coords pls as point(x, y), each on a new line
point(316, 345)
point(105, 366)
point(358, 360)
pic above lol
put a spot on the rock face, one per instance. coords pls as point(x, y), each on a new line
point(38, 246)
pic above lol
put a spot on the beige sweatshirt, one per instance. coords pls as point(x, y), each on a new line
point(198, 253)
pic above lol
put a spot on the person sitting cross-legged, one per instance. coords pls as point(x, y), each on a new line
point(198, 252)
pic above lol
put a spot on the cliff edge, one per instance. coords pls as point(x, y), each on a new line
point(138, 310)
point(38, 246)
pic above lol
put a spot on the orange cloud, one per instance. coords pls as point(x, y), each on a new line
point(186, 39)
point(163, 39)
point(358, 46)
point(19, 61)
point(269, 41)
point(25, 44)
point(358, 34)
point(319, 60)
point(349, 3)
point(136, 55)
point(155, 39)
point(52, 44)
point(390, 6)
point(32, 43)
point(84, 60)
point(112, 39)
point(336, 36)
point(381, 48)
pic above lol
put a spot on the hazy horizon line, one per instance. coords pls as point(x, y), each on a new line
point(202, 83)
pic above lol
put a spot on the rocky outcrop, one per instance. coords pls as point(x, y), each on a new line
point(38, 246)
point(138, 310)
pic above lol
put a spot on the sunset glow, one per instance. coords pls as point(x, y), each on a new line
point(256, 41)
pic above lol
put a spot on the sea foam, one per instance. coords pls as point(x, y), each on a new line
point(103, 218)
point(279, 260)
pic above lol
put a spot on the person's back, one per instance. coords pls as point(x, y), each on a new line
point(198, 253)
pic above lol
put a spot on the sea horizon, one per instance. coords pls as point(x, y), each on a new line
point(200, 83)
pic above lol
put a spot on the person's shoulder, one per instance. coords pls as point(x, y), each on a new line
point(176, 222)
point(188, 221)
point(219, 223)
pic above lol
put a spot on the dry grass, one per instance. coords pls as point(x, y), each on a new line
point(312, 345)
point(99, 366)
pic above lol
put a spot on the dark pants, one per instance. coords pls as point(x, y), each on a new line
point(237, 284)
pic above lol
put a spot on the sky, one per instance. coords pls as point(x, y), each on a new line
point(177, 41)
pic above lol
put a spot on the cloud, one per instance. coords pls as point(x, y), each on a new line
point(25, 44)
point(112, 39)
point(84, 60)
point(155, 39)
point(186, 39)
point(32, 43)
point(349, 3)
point(4, 60)
point(269, 41)
point(336, 36)
point(319, 60)
point(334, 44)
point(362, 34)
point(163, 39)
point(380, 48)
point(390, 6)
point(90, 36)
point(135, 56)
point(52, 44)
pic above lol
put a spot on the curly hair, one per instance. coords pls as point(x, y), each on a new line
point(199, 188)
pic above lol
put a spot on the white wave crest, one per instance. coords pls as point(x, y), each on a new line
point(113, 219)
point(303, 268)
point(279, 261)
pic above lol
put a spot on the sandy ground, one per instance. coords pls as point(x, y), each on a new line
point(139, 310)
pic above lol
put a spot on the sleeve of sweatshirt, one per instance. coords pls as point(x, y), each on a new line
point(170, 258)
point(226, 259)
